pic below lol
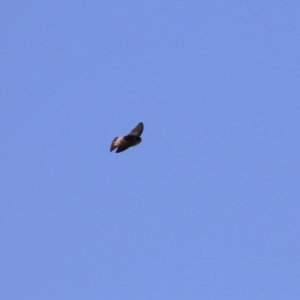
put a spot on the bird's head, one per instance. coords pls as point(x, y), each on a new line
point(137, 140)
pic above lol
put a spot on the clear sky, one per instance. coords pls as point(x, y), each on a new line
point(206, 207)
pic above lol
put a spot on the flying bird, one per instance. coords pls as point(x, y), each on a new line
point(130, 140)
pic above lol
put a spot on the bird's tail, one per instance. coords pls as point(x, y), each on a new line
point(113, 145)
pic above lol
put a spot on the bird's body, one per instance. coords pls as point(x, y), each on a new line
point(132, 139)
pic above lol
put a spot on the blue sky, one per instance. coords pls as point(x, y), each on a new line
point(207, 206)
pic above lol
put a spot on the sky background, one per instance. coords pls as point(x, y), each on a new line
point(206, 207)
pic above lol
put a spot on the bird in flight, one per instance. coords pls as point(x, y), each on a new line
point(130, 140)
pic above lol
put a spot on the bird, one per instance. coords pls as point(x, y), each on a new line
point(122, 143)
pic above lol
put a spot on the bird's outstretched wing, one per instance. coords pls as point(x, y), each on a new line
point(138, 130)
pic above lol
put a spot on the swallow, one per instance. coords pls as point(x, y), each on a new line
point(130, 140)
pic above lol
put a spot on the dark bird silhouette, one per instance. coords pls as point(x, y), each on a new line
point(130, 140)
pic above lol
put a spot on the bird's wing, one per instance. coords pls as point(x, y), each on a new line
point(138, 130)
